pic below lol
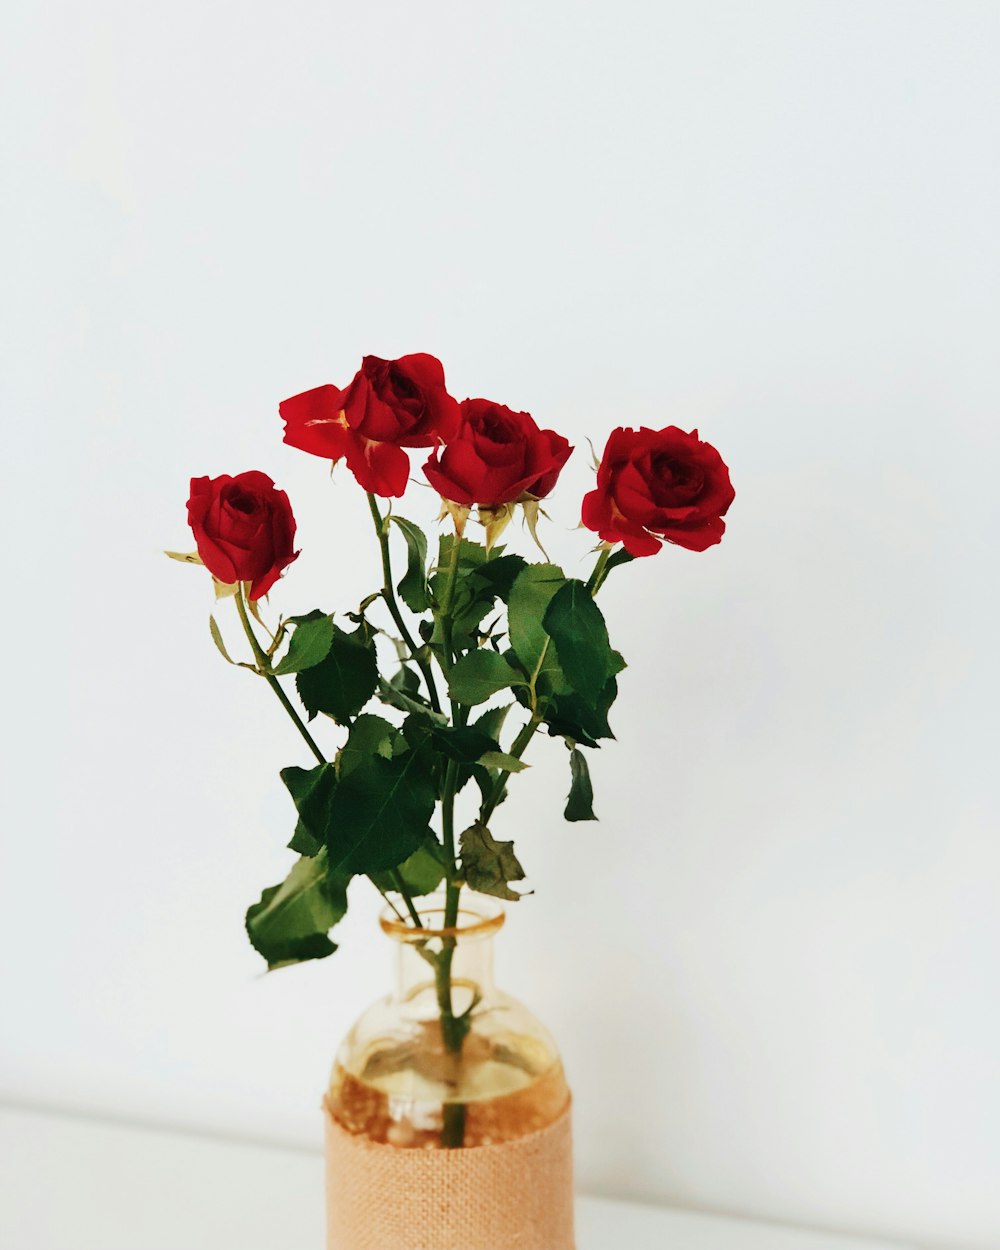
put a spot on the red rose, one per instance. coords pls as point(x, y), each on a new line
point(244, 529)
point(496, 457)
point(391, 404)
point(655, 485)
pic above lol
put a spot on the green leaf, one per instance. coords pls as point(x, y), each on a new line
point(484, 779)
point(310, 643)
point(489, 866)
point(500, 759)
point(575, 624)
point(489, 724)
point(470, 603)
point(580, 801)
point(470, 554)
point(291, 921)
point(530, 596)
point(380, 812)
point(491, 721)
point(571, 716)
point(312, 793)
point(464, 744)
point(413, 584)
point(480, 581)
point(342, 683)
point(500, 573)
point(407, 681)
point(370, 735)
point(422, 872)
point(404, 703)
point(479, 675)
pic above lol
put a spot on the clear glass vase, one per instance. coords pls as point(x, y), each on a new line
point(447, 1059)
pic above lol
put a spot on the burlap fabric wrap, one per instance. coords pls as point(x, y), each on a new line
point(517, 1196)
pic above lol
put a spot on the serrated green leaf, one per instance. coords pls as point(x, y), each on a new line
point(472, 601)
point(492, 720)
point(484, 779)
point(416, 732)
point(412, 587)
point(343, 682)
point(580, 801)
point(370, 735)
point(463, 744)
point(422, 872)
point(570, 716)
point(489, 724)
point(413, 707)
point(489, 866)
point(533, 590)
point(380, 812)
point(407, 681)
point(480, 674)
point(302, 842)
point(480, 581)
point(312, 793)
point(499, 574)
point(291, 921)
point(468, 607)
point(574, 623)
point(310, 643)
point(470, 554)
point(500, 759)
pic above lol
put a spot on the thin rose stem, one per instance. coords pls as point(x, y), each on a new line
point(389, 595)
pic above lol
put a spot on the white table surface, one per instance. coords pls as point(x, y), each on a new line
point(72, 1183)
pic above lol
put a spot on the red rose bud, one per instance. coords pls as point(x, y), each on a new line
point(497, 457)
point(659, 485)
point(390, 404)
point(243, 527)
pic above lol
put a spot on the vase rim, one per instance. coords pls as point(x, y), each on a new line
point(482, 918)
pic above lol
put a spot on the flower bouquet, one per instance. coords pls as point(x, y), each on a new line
point(447, 1112)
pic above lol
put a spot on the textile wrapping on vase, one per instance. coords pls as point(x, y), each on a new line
point(514, 1196)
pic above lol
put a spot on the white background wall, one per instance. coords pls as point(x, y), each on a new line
point(772, 966)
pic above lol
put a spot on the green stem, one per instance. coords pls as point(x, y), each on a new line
point(389, 595)
point(452, 893)
point(453, 1033)
point(448, 606)
point(264, 665)
point(397, 878)
point(453, 1029)
point(596, 579)
point(517, 749)
point(390, 903)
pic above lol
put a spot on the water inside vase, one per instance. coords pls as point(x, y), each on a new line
point(396, 1091)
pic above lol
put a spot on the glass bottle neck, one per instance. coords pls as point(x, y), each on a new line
point(471, 966)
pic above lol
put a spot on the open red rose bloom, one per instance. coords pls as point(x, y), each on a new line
point(653, 486)
point(659, 485)
point(497, 456)
point(390, 404)
point(243, 527)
